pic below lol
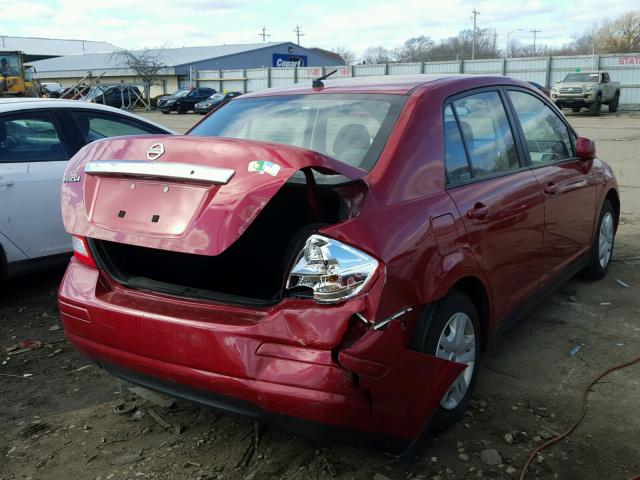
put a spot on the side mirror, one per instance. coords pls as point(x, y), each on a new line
point(585, 148)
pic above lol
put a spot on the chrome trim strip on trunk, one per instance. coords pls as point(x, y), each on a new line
point(176, 171)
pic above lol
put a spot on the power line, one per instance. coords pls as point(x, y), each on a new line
point(535, 33)
point(264, 34)
point(298, 33)
point(473, 46)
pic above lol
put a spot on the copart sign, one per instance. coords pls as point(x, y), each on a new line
point(289, 60)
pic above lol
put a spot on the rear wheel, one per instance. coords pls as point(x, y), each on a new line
point(602, 249)
point(596, 106)
point(615, 103)
point(451, 331)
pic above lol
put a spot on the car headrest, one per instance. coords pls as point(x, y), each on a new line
point(351, 136)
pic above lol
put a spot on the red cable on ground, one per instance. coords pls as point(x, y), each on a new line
point(556, 439)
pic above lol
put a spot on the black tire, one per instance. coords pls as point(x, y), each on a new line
point(595, 270)
point(596, 106)
point(426, 340)
point(615, 103)
point(166, 112)
point(575, 109)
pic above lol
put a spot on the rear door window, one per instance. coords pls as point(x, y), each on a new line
point(547, 137)
point(487, 134)
point(31, 137)
point(456, 162)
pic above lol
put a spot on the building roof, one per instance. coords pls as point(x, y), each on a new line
point(53, 47)
point(328, 53)
point(171, 57)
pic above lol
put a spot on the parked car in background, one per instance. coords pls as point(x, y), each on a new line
point(37, 138)
point(542, 88)
point(184, 101)
point(587, 90)
point(118, 96)
point(162, 99)
point(51, 89)
point(332, 257)
point(213, 101)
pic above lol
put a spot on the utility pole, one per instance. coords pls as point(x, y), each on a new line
point(473, 46)
point(298, 33)
point(535, 33)
point(264, 34)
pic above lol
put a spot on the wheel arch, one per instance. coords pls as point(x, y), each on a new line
point(476, 291)
point(614, 199)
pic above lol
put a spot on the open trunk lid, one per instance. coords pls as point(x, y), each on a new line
point(179, 193)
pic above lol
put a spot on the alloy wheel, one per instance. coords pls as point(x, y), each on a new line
point(458, 343)
point(605, 240)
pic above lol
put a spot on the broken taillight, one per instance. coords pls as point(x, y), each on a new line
point(81, 251)
point(332, 270)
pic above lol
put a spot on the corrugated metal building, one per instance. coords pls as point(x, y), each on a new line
point(36, 48)
point(181, 64)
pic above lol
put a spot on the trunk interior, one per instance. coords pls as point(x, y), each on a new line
point(252, 271)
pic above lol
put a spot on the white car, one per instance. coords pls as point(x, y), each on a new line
point(37, 138)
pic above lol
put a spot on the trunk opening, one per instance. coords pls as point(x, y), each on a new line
point(252, 271)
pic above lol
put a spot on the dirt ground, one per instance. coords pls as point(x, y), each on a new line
point(59, 420)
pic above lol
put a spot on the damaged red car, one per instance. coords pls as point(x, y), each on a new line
point(332, 258)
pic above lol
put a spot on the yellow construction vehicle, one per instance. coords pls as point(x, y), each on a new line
point(16, 77)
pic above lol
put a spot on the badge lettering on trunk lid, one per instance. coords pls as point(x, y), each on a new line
point(264, 166)
point(155, 151)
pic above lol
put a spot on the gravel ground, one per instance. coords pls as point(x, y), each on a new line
point(59, 422)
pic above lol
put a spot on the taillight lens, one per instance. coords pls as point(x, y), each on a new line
point(332, 270)
point(81, 251)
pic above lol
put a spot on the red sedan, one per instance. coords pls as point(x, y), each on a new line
point(333, 257)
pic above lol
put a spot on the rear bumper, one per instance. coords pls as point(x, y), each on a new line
point(279, 365)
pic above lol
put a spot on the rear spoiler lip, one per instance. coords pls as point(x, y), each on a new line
point(169, 170)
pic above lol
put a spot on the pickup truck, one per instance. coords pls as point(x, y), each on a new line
point(587, 90)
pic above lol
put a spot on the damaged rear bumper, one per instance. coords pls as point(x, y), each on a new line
point(281, 364)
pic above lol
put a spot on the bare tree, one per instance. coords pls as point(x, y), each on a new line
point(460, 47)
point(147, 64)
point(377, 55)
point(416, 49)
point(347, 55)
point(621, 35)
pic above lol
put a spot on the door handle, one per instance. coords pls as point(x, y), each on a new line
point(478, 211)
point(551, 188)
point(6, 183)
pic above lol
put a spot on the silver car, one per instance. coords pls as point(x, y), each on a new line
point(37, 138)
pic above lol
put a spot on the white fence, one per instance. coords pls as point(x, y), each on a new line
point(623, 68)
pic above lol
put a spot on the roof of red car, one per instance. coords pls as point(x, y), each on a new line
point(391, 84)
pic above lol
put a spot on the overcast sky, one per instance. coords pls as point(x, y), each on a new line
point(356, 24)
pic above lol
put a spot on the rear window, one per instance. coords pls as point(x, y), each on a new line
point(349, 128)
